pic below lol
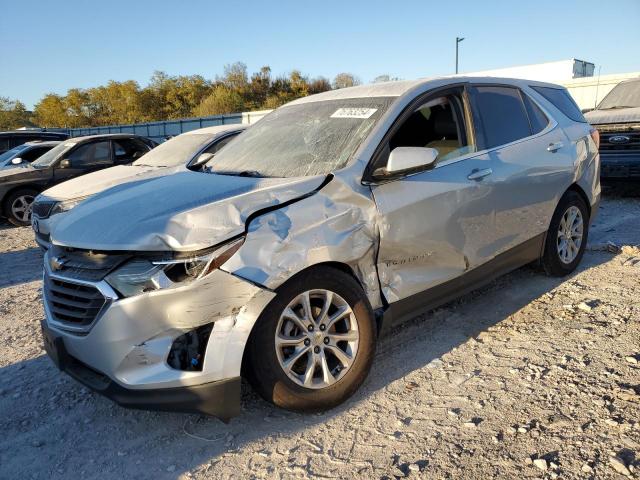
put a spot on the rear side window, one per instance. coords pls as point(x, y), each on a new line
point(537, 118)
point(562, 101)
point(502, 115)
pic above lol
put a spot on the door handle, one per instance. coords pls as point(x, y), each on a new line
point(555, 146)
point(477, 174)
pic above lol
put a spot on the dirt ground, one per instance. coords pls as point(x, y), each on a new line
point(530, 377)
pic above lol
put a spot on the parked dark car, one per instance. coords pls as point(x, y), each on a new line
point(26, 153)
point(617, 119)
point(9, 140)
point(71, 158)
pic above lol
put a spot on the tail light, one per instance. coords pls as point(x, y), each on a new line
point(595, 134)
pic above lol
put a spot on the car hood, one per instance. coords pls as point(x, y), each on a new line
point(16, 172)
point(622, 115)
point(185, 211)
point(92, 183)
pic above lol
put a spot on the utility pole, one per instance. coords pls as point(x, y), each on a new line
point(458, 40)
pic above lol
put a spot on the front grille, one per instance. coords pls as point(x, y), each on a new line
point(630, 131)
point(71, 304)
point(42, 209)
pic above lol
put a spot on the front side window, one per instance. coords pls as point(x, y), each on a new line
point(314, 138)
point(91, 155)
point(57, 152)
point(561, 99)
point(439, 123)
point(502, 115)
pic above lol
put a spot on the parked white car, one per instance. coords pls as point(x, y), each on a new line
point(186, 151)
point(334, 217)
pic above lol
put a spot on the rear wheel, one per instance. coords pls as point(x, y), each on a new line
point(567, 235)
point(314, 344)
point(17, 206)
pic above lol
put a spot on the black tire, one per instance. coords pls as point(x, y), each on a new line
point(11, 199)
point(263, 368)
point(551, 261)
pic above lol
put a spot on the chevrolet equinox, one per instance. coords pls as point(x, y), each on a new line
point(335, 217)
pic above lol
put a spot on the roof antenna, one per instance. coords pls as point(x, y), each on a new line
point(595, 101)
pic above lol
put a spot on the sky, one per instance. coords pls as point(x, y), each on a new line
point(51, 46)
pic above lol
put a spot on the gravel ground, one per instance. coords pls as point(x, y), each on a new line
point(530, 377)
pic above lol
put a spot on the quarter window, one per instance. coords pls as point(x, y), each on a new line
point(537, 118)
point(502, 115)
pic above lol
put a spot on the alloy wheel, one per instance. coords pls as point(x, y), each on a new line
point(317, 338)
point(21, 208)
point(570, 232)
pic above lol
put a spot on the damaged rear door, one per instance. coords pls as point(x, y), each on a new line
point(434, 225)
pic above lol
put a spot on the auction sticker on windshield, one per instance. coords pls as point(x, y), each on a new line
point(354, 112)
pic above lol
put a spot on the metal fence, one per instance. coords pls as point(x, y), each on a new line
point(160, 131)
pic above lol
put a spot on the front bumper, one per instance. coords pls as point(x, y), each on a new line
point(220, 399)
point(123, 354)
point(620, 166)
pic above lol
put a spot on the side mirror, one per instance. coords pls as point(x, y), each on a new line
point(202, 159)
point(404, 159)
point(16, 161)
point(66, 163)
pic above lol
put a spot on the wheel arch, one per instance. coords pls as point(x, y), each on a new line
point(580, 191)
point(27, 186)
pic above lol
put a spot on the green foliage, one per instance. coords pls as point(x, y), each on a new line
point(13, 114)
point(170, 97)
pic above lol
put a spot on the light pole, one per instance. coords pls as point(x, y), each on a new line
point(458, 40)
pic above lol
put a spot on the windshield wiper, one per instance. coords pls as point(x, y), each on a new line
point(242, 173)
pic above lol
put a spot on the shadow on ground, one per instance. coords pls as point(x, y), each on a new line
point(71, 431)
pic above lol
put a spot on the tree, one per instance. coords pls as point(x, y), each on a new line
point(13, 114)
point(51, 111)
point(384, 78)
point(235, 76)
point(344, 80)
point(222, 100)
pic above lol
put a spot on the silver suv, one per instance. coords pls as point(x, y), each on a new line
point(333, 218)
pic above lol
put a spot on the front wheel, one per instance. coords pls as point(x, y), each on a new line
point(18, 206)
point(567, 235)
point(313, 345)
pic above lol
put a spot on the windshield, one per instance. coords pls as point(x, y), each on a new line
point(52, 155)
point(623, 95)
point(7, 156)
point(313, 138)
point(177, 151)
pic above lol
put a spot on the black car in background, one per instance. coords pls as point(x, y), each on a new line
point(69, 159)
point(9, 140)
point(617, 119)
point(26, 153)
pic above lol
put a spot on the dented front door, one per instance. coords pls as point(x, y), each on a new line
point(434, 226)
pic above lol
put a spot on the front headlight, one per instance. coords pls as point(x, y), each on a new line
point(141, 275)
point(66, 205)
